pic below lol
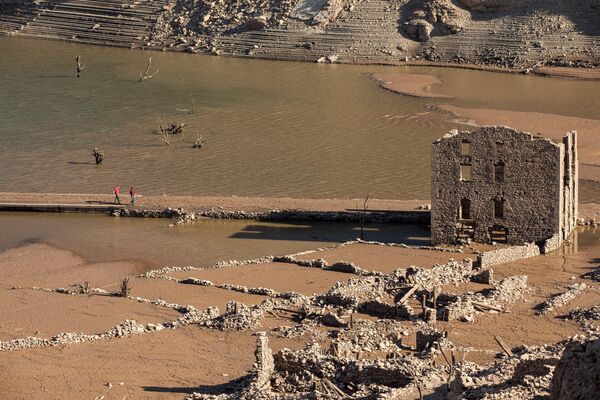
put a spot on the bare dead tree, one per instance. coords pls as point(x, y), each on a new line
point(80, 67)
point(199, 142)
point(165, 131)
point(191, 111)
point(125, 288)
point(165, 137)
point(362, 218)
point(98, 155)
point(146, 74)
point(83, 288)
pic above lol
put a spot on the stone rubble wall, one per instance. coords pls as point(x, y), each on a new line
point(415, 217)
point(551, 244)
point(504, 255)
point(561, 299)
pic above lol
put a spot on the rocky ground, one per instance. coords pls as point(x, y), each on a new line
point(504, 33)
point(356, 320)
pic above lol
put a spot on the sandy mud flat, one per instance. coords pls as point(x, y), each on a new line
point(174, 362)
point(410, 84)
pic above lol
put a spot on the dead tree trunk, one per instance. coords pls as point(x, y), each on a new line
point(362, 218)
point(146, 74)
point(80, 67)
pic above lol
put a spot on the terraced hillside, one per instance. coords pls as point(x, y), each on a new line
point(125, 23)
point(515, 33)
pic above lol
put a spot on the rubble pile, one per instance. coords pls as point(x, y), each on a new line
point(365, 336)
point(205, 17)
point(239, 317)
point(586, 317)
point(561, 299)
point(453, 272)
point(436, 17)
point(507, 291)
point(314, 372)
point(585, 314)
point(353, 293)
point(576, 375)
point(525, 375)
point(594, 275)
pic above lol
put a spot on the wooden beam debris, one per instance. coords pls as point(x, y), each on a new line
point(407, 295)
point(504, 346)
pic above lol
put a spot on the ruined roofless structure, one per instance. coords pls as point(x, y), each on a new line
point(496, 184)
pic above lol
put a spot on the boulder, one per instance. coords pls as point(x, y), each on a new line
point(255, 24)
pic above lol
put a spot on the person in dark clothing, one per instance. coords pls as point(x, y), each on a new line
point(132, 194)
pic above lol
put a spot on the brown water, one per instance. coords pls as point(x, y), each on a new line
point(271, 128)
point(102, 238)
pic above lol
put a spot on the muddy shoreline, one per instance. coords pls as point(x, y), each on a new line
point(536, 37)
point(233, 207)
point(574, 72)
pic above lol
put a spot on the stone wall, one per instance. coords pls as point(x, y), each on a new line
point(507, 254)
point(523, 173)
point(551, 244)
point(412, 217)
point(570, 185)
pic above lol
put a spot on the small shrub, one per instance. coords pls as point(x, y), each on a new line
point(83, 288)
point(125, 288)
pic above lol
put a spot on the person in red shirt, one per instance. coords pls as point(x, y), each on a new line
point(116, 191)
point(132, 194)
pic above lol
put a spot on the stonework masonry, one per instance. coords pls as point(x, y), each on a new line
point(496, 184)
point(500, 256)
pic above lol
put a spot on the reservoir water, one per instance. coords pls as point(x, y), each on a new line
point(271, 128)
point(101, 238)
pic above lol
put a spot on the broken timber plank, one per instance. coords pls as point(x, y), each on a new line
point(407, 295)
point(504, 346)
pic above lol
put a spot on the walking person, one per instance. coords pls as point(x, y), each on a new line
point(116, 191)
point(132, 194)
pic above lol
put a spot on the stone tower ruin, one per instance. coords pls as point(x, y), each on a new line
point(496, 184)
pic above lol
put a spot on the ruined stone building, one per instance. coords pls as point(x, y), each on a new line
point(496, 184)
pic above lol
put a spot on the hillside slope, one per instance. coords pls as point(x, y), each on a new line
point(512, 33)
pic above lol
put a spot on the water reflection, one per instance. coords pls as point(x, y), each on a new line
point(583, 238)
point(102, 238)
point(336, 232)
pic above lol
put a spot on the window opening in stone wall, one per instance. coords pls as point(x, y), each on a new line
point(499, 208)
point(465, 172)
point(465, 209)
point(499, 172)
point(465, 148)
